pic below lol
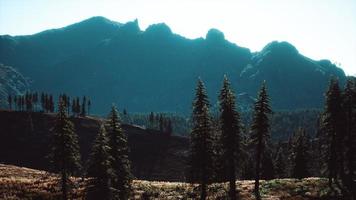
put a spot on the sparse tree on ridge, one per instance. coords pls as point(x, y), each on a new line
point(169, 127)
point(74, 106)
point(83, 112)
point(89, 106)
point(51, 104)
point(161, 123)
point(201, 148)
point(65, 155)
point(230, 136)
point(9, 100)
point(260, 132)
point(77, 107)
point(151, 120)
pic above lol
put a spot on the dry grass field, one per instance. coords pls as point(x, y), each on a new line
point(24, 183)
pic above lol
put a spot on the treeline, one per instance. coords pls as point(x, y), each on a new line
point(44, 102)
point(225, 149)
point(108, 165)
point(284, 123)
point(168, 123)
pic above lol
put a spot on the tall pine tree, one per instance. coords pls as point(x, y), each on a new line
point(260, 132)
point(201, 139)
point(349, 106)
point(230, 134)
point(65, 155)
point(333, 126)
point(119, 154)
point(100, 168)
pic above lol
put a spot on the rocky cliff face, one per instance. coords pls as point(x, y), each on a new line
point(11, 82)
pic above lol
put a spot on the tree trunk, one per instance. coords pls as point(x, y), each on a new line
point(232, 177)
point(203, 191)
point(257, 175)
point(64, 185)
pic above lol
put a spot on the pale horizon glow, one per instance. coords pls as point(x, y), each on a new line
point(319, 29)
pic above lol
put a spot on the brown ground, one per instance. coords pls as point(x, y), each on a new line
point(25, 183)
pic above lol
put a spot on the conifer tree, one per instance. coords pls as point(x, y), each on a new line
point(22, 103)
point(84, 104)
point(260, 132)
point(201, 139)
point(68, 104)
point(151, 120)
point(65, 155)
point(349, 106)
point(15, 103)
point(34, 100)
point(169, 128)
point(73, 106)
point(9, 100)
point(161, 123)
point(119, 153)
point(230, 134)
point(89, 106)
point(43, 101)
point(51, 104)
point(99, 167)
point(332, 125)
point(300, 155)
point(77, 107)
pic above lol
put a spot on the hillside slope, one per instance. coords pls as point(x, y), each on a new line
point(25, 140)
point(156, 70)
point(24, 183)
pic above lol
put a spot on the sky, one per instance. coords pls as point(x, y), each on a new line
point(319, 29)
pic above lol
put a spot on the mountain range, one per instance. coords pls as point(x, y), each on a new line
point(156, 69)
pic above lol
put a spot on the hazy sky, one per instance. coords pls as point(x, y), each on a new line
point(318, 28)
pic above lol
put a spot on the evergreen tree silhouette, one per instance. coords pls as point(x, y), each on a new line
point(99, 167)
point(51, 104)
point(260, 132)
point(65, 155)
point(230, 134)
point(349, 106)
point(119, 153)
point(83, 112)
point(9, 100)
point(332, 124)
point(201, 139)
point(89, 106)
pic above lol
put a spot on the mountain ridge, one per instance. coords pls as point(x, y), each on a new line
point(156, 69)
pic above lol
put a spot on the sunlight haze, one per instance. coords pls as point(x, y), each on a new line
point(320, 29)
